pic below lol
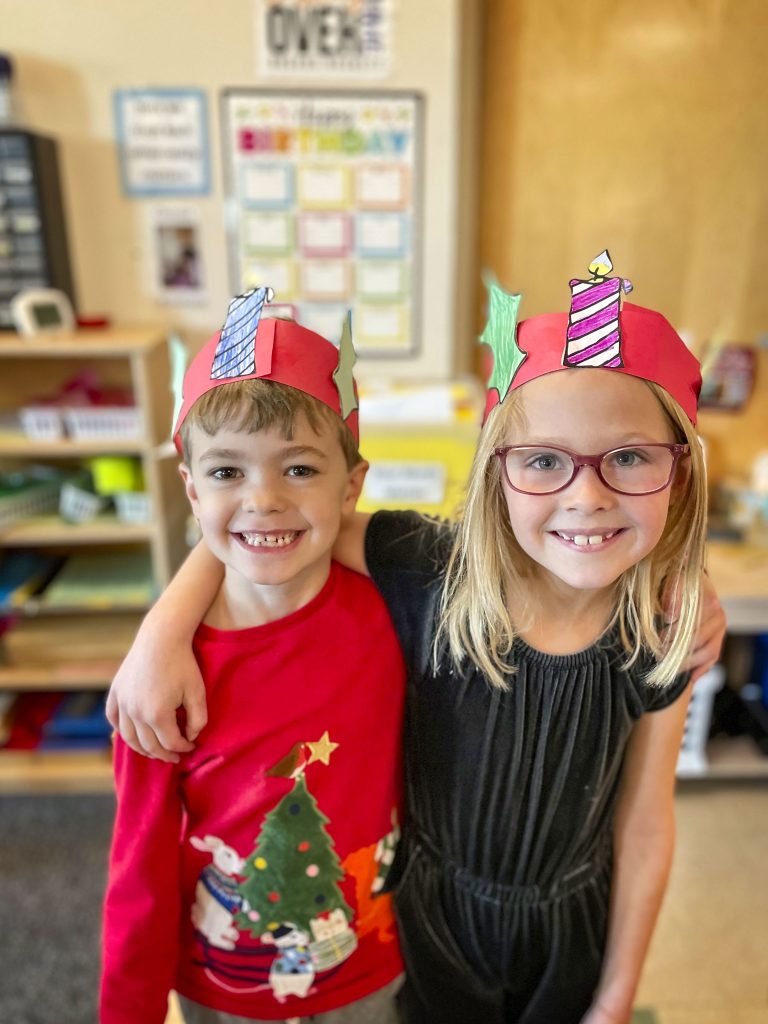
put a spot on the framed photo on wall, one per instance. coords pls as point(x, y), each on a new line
point(324, 194)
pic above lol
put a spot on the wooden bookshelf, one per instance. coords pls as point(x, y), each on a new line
point(30, 369)
point(83, 675)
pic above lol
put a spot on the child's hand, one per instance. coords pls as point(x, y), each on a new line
point(156, 678)
point(709, 638)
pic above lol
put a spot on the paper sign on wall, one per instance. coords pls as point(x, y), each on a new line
point(420, 483)
point(162, 136)
point(332, 38)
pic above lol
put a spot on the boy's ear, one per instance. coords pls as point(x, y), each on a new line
point(189, 485)
point(355, 483)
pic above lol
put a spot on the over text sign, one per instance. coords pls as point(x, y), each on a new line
point(329, 38)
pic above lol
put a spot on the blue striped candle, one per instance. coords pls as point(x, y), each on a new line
point(235, 353)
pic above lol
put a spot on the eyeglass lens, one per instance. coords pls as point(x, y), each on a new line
point(636, 470)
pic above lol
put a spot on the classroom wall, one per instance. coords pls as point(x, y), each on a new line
point(640, 127)
point(70, 57)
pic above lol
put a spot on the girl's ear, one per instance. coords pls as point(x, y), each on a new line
point(681, 478)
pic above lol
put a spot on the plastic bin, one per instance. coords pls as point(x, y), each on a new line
point(29, 493)
point(133, 506)
point(692, 760)
point(84, 424)
point(78, 505)
point(42, 422)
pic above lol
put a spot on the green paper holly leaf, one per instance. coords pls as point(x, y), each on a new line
point(500, 334)
point(343, 374)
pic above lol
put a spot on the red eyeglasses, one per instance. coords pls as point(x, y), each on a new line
point(636, 469)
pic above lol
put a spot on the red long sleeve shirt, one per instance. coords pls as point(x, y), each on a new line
point(247, 877)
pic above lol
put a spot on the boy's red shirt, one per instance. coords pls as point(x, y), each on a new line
point(247, 877)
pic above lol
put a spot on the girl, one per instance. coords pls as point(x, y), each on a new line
point(545, 711)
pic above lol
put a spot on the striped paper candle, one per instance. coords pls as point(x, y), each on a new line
point(235, 353)
point(594, 336)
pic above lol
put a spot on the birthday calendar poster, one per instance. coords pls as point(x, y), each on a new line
point(324, 192)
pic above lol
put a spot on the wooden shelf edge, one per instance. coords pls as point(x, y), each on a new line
point(95, 675)
point(20, 446)
point(50, 530)
point(110, 343)
point(33, 771)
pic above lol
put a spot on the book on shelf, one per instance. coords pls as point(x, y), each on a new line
point(57, 721)
point(100, 581)
point(22, 573)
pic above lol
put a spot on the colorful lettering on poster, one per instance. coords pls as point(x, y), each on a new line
point(349, 142)
point(264, 140)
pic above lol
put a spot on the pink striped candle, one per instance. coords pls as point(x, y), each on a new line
point(594, 336)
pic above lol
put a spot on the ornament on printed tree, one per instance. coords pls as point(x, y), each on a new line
point(594, 331)
point(293, 874)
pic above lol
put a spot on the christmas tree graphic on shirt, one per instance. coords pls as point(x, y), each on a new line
point(285, 893)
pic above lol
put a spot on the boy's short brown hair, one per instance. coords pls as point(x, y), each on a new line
point(253, 405)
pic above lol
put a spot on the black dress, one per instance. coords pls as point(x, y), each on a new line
point(503, 875)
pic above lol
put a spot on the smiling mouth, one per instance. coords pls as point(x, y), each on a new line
point(587, 540)
point(270, 540)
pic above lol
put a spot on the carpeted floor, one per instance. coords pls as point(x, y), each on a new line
point(53, 858)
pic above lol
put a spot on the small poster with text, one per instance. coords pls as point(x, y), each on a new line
point(329, 38)
point(162, 137)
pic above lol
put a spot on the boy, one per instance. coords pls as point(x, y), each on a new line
point(246, 876)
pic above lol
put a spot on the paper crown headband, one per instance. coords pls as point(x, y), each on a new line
point(250, 346)
point(599, 331)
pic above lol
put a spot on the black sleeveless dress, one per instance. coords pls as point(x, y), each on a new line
point(503, 875)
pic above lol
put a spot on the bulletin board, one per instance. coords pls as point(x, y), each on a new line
point(324, 195)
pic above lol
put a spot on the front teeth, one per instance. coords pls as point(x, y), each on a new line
point(582, 540)
point(262, 540)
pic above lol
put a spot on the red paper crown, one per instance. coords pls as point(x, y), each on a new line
point(597, 332)
point(250, 347)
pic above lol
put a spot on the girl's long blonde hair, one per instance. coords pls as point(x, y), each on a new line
point(488, 572)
